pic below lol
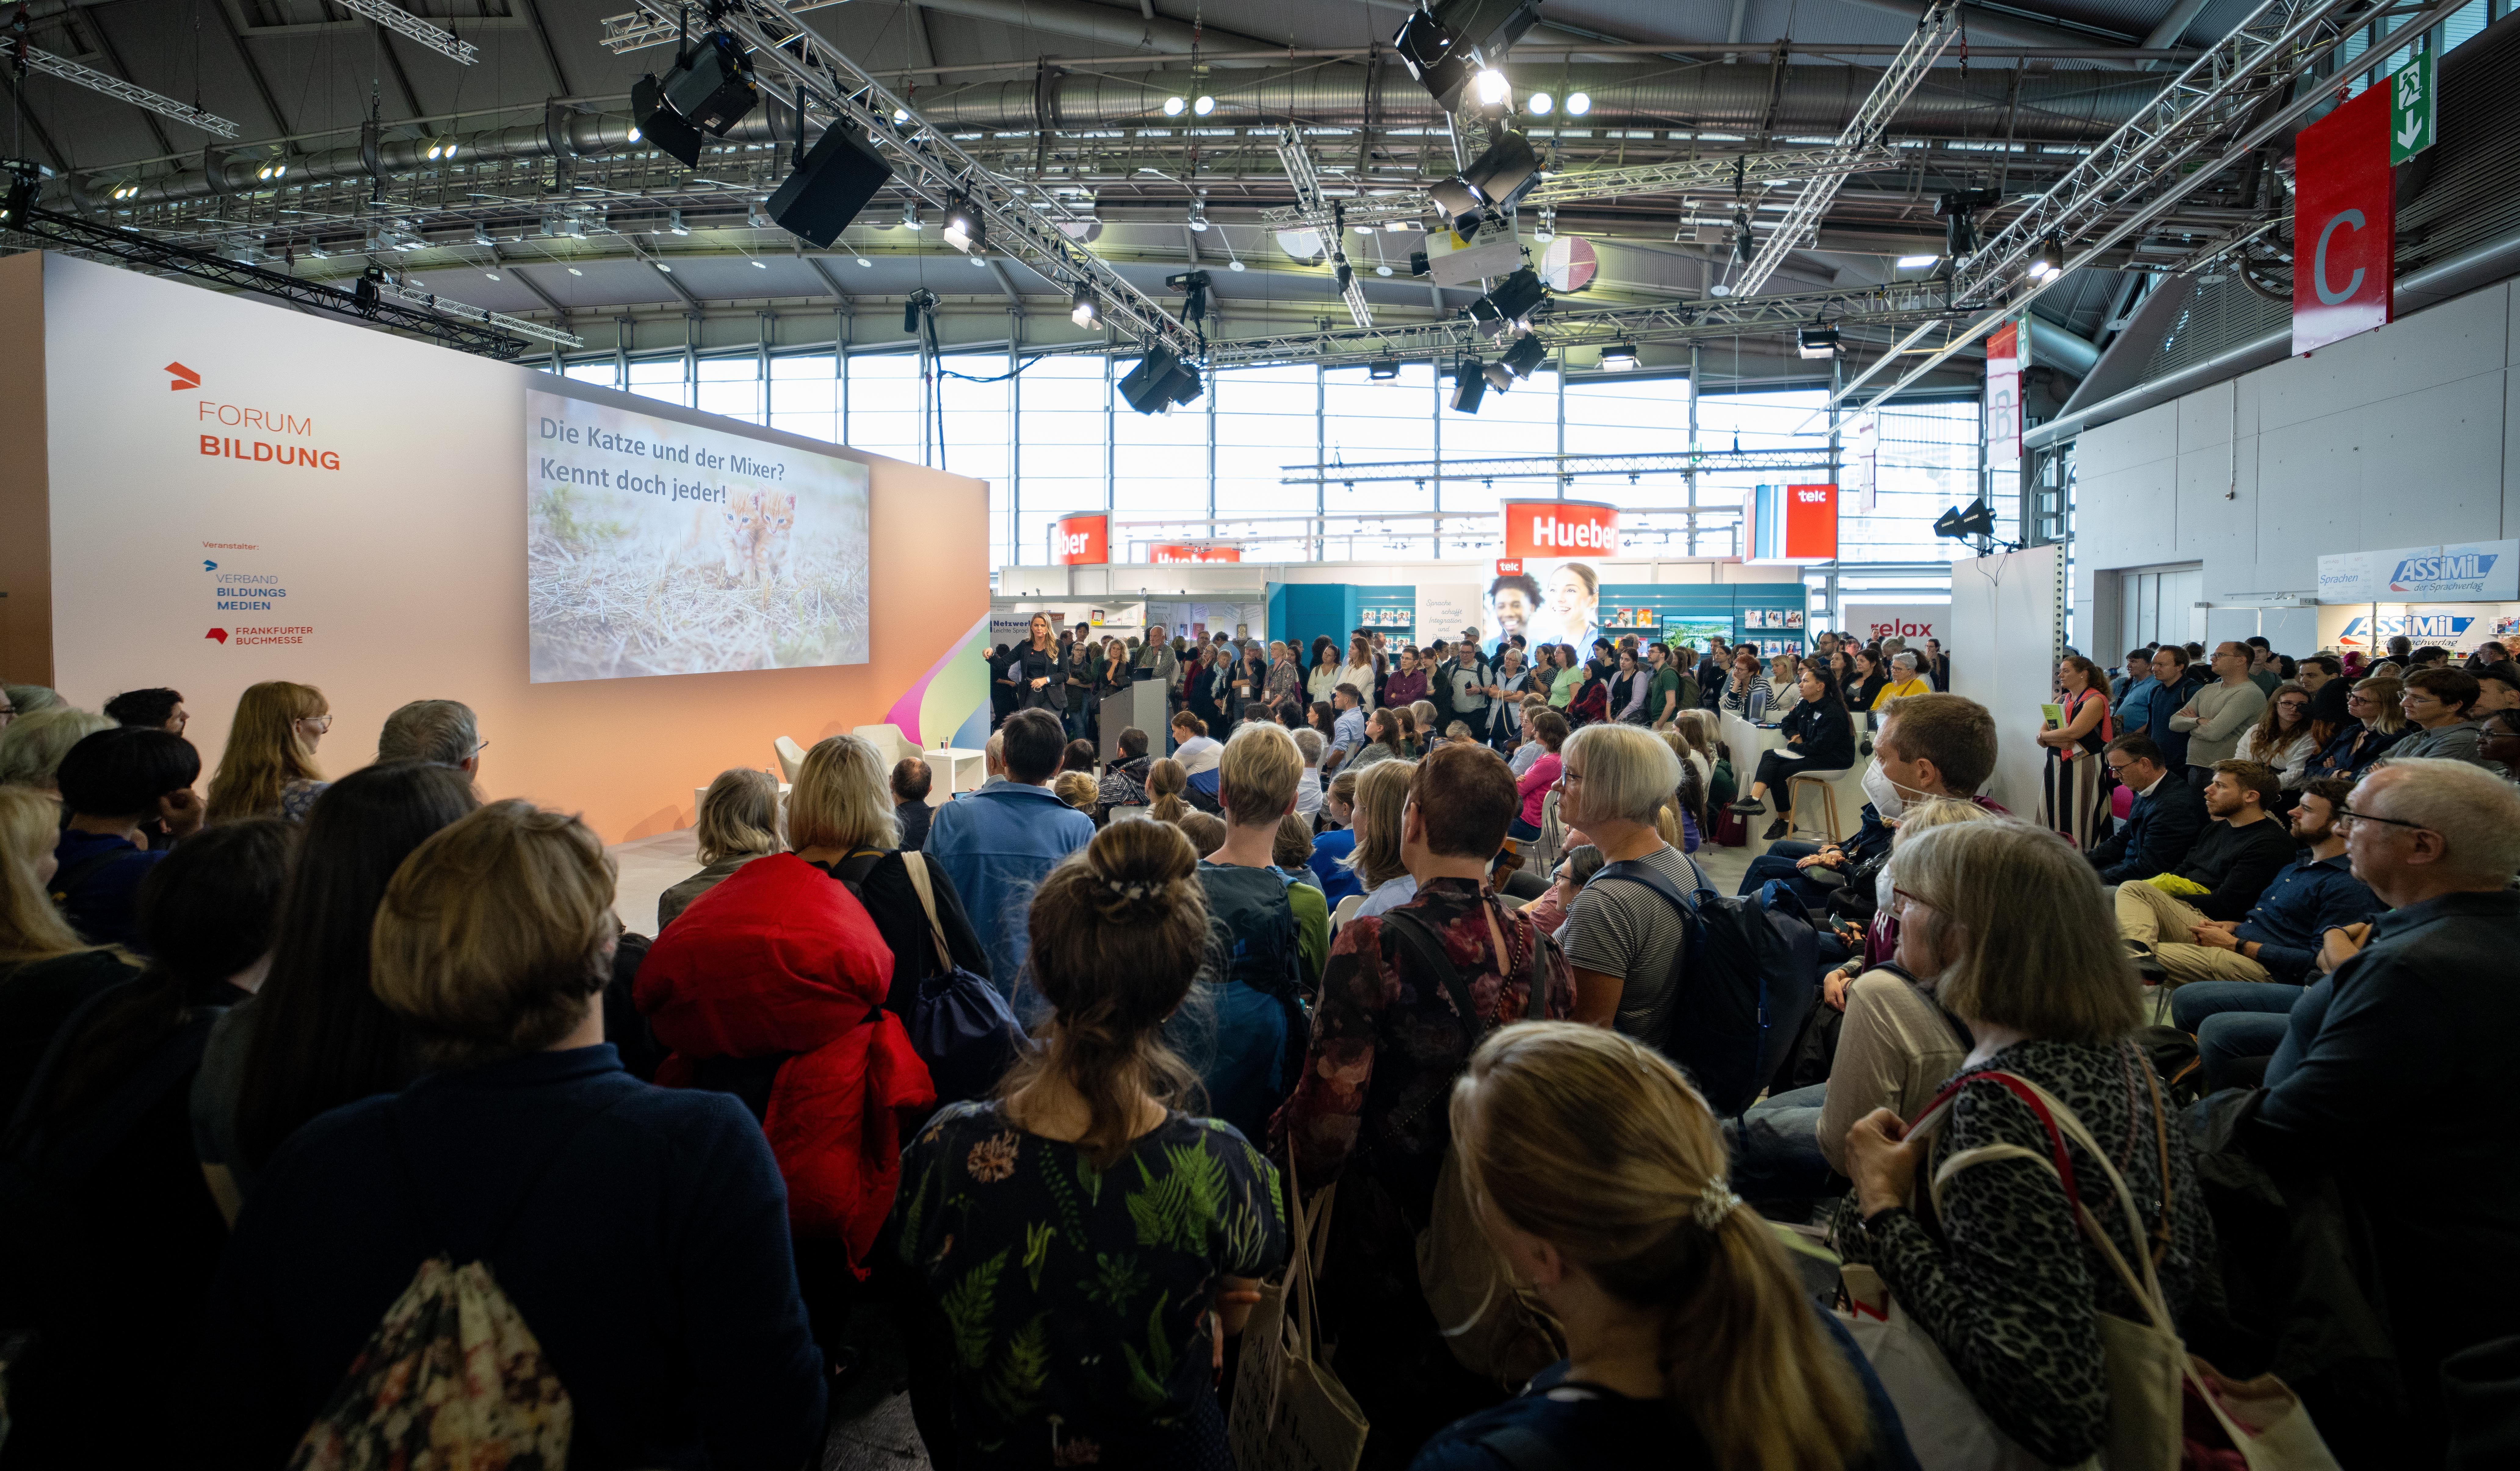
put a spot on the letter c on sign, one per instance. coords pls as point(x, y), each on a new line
point(2319, 260)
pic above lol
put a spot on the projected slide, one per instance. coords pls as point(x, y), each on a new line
point(653, 547)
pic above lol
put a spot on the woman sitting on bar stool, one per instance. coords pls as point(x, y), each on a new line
point(1820, 741)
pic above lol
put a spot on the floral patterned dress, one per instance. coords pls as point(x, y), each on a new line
point(1077, 1299)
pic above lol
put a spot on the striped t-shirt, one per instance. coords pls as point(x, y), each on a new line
point(1622, 928)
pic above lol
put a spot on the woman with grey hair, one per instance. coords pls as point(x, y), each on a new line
point(1904, 679)
point(738, 822)
point(1624, 939)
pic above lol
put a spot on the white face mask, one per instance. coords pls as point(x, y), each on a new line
point(1883, 793)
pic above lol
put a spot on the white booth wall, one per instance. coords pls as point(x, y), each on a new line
point(2400, 437)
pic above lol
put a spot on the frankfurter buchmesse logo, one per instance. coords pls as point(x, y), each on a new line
point(184, 377)
point(219, 634)
point(2466, 566)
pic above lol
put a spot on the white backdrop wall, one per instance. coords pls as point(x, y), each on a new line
point(2003, 646)
point(2396, 438)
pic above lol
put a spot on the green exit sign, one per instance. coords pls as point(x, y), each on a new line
point(2414, 98)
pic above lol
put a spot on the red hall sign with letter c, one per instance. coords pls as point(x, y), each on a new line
point(2345, 228)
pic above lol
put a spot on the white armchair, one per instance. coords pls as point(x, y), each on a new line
point(791, 757)
point(889, 742)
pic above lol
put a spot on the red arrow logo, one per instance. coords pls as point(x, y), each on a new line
point(185, 377)
point(219, 634)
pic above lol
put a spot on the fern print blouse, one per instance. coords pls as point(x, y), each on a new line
point(1076, 1300)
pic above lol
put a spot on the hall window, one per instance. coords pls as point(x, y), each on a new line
point(731, 385)
point(1063, 427)
point(805, 395)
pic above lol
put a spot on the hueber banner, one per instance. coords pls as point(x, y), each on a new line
point(2345, 228)
point(1172, 552)
point(1554, 529)
point(1083, 538)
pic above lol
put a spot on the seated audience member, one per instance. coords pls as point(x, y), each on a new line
point(2242, 978)
point(1540, 778)
point(2164, 821)
point(1244, 1034)
point(1375, 821)
point(1075, 788)
point(268, 769)
point(1636, 1242)
point(315, 1037)
point(1774, 696)
point(1308, 787)
point(911, 782)
point(2315, 672)
point(2439, 704)
point(46, 971)
point(2218, 713)
point(2373, 724)
point(1818, 740)
point(1529, 749)
point(2499, 744)
point(774, 988)
point(2497, 687)
point(2281, 740)
point(2393, 1085)
point(24, 700)
point(1196, 749)
point(443, 731)
point(993, 758)
point(997, 844)
point(1118, 935)
point(526, 1148)
point(2004, 1281)
point(110, 784)
point(1205, 831)
point(1124, 781)
point(1080, 757)
point(1623, 940)
point(1575, 869)
point(1331, 849)
point(126, 1239)
point(158, 710)
point(738, 822)
point(1929, 747)
point(32, 746)
point(1386, 738)
point(1895, 1046)
point(1388, 1043)
point(1904, 680)
point(1165, 783)
point(836, 811)
point(2243, 848)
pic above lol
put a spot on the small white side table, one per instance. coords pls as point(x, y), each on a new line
point(961, 771)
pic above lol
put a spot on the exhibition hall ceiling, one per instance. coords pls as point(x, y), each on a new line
point(547, 208)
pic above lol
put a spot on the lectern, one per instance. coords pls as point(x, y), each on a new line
point(1146, 704)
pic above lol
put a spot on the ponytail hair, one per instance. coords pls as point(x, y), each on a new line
point(1166, 781)
point(1118, 933)
point(1604, 1151)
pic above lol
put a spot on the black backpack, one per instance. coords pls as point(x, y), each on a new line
point(1749, 974)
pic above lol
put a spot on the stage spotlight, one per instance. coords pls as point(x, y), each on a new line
point(1815, 342)
point(1500, 378)
point(1382, 368)
point(912, 306)
point(1443, 47)
point(665, 132)
point(1193, 284)
point(1470, 385)
point(710, 85)
point(1958, 211)
point(1203, 105)
point(1159, 382)
point(1506, 172)
point(1578, 103)
point(1525, 355)
point(1491, 88)
point(2050, 257)
point(1745, 246)
point(910, 214)
point(1619, 356)
point(1538, 104)
point(1083, 310)
point(962, 226)
point(1173, 106)
point(1514, 298)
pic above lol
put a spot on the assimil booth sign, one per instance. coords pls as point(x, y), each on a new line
point(2458, 571)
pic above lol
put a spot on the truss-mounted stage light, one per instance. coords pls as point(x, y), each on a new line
point(1159, 382)
point(962, 226)
point(2051, 259)
point(1619, 356)
point(1919, 262)
point(1492, 89)
point(1382, 368)
point(1193, 284)
point(1500, 378)
point(1507, 171)
point(1958, 211)
point(1083, 310)
point(1514, 299)
point(1815, 342)
point(663, 129)
point(1445, 46)
point(711, 84)
point(1977, 520)
point(1470, 385)
point(1525, 355)
point(1203, 105)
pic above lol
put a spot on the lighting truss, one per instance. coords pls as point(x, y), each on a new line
point(490, 338)
point(1896, 304)
point(495, 321)
point(403, 23)
point(1861, 136)
point(39, 60)
point(1324, 218)
point(1710, 176)
point(639, 29)
point(1556, 467)
point(2226, 103)
point(1023, 221)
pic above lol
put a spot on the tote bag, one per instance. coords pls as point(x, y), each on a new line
point(1290, 1412)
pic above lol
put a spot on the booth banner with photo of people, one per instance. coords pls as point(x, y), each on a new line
point(1555, 595)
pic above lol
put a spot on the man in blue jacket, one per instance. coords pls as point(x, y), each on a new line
point(2175, 683)
point(998, 843)
point(2166, 816)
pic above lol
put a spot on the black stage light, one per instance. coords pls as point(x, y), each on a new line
point(917, 301)
point(963, 230)
point(711, 84)
point(1470, 385)
point(1499, 377)
point(1418, 263)
point(1160, 380)
point(660, 127)
point(1525, 354)
point(1977, 520)
point(1442, 46)
point(839, 175)
point(1512, 300)
point(1382, 368)
point(18, 203)
point(1193, 284)
point(1815, 342)
point(1958, 211)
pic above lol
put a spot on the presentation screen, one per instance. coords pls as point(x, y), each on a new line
point(656, 547)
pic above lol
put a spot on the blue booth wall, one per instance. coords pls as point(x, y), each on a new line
point(1755, 612)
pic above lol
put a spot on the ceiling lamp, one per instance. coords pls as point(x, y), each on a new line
point(1578, 103)
point(1382, 368)
point(1538, 104)
point(1083, 311)
point(1174, 106)
point(1815, 342)
point(1198, 216)
point(1619, 356)
point(1203, 105)
point(674, 223)
point(910, 214)
point(1917, 262)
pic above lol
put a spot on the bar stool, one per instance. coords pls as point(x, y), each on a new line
point(1821, 782)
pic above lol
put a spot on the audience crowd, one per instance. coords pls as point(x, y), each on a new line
point(1383, 1000)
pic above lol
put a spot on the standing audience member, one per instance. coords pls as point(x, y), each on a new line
point(525, 1148)
point(1083, 1232)
point(1331, 850)
point(1308, 787)
point(316, 1036)
point(1347, 727)
point(2242, 849)
point(2162, 824)
point(2428, 997)
point(2129, 690)
point(1381, 796)
point(268, 769)
point(2071, 802)
point(115, 1236)
point(32, 746)
point(2280, 740)
point(738, 822)
point(1362, 670)
point(158, 710)
point(110, 784)
point(997, 844)
point(1323, 676)
point(1407, 683)
point(1998, 1274)
point(24, 700)
point(1820, 741)
point(2439, 703)
point(911, 782)
point(46, 971)
point(1688, 1339)
point(2216, 714)
point(1625, 941)
point(1388, 1042)
point(2375, 724)
point(443, 731)
point(2174, 683)
point(835, 819)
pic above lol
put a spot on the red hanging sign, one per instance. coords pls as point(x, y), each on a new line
point(1080, 539)
point(2345, 226)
